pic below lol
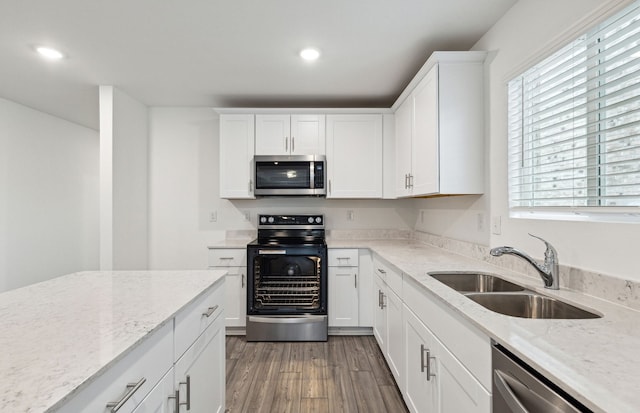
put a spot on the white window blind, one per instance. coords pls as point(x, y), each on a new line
point(574, 122)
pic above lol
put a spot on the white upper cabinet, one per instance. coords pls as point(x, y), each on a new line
point(354, 156)
point(290, 135)
point(439, 128)
point(236, 156)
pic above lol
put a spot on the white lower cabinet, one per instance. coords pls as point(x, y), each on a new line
point(234, 261)
point(157, 400)
point(435, 380)
point(395, 346)
point(380, 315)
point(200, 372)
point(343, 287)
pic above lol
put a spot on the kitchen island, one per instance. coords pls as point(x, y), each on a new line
point(61, 336)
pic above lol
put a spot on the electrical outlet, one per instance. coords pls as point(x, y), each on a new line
point(496, 225)
point(480, 221)
point(349, 215)
point(213, 216)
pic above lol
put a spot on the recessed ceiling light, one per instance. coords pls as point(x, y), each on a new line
point(49, 53)
point(309, 54)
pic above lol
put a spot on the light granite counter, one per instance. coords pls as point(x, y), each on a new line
point(59, 335)
point(596, 360)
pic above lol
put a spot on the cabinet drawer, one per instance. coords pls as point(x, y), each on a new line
point(339, 257)
point(394, 280)
point(228, 257)
point(196, 317)
point(149, 361)
point(462, 339)
point(380, 268)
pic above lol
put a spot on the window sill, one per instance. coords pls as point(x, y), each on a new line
point(621, 215)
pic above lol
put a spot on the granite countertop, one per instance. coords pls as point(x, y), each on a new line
point(58, 335)
point(595, 361)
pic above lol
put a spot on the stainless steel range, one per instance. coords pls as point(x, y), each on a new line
point(287, 279)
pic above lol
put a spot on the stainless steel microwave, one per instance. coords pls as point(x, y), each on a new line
point(297, 175)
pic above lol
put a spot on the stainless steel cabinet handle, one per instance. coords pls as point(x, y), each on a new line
point(406, 181)
point(355, 280)
point(293, 144)
point(188, 384)
point(507, 394)
point(422, 366)
point(176, 397)
point(286, 144)
point(243, 280)
point(410, 181)
point(429, 374)
point(379, 298)
point(381, 271)
point(210, 311)
point(225, 258)
point(250, 185)
point(132, 388)
point(329, 186)
point(383, 304)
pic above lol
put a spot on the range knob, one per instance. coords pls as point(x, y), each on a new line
point(263, 220)
point(310, 220)
point(318, 220)
point(271, 220)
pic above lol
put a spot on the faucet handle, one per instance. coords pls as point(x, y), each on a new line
point(551, 252)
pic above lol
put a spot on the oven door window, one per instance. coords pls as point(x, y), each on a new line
point(286, 283)
point(283, 175)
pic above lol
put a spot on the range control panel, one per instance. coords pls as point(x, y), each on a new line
point(315, 220)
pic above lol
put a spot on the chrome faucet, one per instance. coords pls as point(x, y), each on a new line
point(549, 270)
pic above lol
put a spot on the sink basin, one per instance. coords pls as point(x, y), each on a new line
point(475, 282)
point(530, 305)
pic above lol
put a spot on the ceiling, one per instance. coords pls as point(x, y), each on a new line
point(233, 53)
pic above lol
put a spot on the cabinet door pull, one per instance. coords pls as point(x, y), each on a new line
point(132, 388)
point(188, 384)
point(210, 311)
point(429, 358)
point(286, 144)
point(383, 304)
point(243, 280)
point(329, 186)
point(355, 280)
point(293, 144)
point(381, 271)
point(406, 181)
point(176, 397)
point(410, 181)
point(250, 185)
point(379, 299)
point(422, 366)
point(225, 258)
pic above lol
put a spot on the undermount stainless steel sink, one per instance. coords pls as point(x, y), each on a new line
point(504, 297)
point(529, 304)
point(475, 282)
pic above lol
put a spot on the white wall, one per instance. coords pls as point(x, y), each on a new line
point(48, 196)
point(526, 32)
point(123, 181)
point(184, 188)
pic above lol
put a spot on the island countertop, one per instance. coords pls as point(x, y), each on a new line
point(58, 335)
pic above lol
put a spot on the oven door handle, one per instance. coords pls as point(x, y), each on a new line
point(272, 252)
point(288, 320)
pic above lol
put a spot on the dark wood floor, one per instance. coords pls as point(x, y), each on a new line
point(345, 374)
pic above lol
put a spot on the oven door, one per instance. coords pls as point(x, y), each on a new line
point(286, 281)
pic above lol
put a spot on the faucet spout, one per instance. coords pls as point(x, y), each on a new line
point(549, 270)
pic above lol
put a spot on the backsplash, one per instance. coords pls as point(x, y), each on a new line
point(617, 290)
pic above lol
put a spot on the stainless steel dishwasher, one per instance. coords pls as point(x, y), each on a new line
point(518, 388)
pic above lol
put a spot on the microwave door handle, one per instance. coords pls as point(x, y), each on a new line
point(312, 174)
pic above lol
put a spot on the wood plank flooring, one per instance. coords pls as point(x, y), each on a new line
point(345, 374)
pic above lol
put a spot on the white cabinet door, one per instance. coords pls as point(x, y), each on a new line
point(366, 300)
point(380, 315)
point(158, 400)
point(236, 156)
point(395, 337)
point(273, 134)
point(307, 135)
point(290, 134)
point(235, 305)
point(420, 391)
point(200, 372)
point(343, 297)
point(354, 156)
point(425, 155)
point(404, 128)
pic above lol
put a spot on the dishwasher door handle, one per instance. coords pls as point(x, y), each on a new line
point(507, 394)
